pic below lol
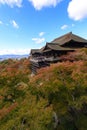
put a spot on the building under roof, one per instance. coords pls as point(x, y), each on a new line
point(67, 42)
point(52, 51)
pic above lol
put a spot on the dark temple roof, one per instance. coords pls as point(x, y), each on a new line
point(55, 46)
point(33, 51)
point(68, 37)
point(58, 43)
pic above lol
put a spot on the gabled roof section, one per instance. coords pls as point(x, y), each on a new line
point(68, 37)
point(33, 51)
point(54, 46)
point(57, 47)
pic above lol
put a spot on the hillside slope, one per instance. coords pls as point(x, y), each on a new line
point(54, 99)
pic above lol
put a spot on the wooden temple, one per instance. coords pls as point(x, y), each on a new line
point(52, 51)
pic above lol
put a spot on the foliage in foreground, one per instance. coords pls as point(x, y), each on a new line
point(54, 99)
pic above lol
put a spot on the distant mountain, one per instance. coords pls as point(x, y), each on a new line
point(11, 56)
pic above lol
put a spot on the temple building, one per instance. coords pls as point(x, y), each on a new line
point(52, 51)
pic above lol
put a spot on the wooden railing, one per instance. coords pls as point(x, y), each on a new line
point(47, 59)
point(37, 59)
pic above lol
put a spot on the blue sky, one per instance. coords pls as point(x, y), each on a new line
point(26, 24)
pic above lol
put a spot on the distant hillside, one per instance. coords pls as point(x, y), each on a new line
point(54, 99)
point(3, 57)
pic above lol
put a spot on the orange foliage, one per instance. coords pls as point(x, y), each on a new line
point(5, 111)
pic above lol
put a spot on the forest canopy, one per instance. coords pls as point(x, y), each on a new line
point(54, 99)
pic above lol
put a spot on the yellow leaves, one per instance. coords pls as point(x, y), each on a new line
point(21, 86)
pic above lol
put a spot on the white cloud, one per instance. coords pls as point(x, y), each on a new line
point(77, 9)
point(73, 25)
point(38, 40)
point(14, 24)
point(64, 27)
point(12, 3)
point(14, 51)
point(41, 34)
point(39, 4)
point(1, 22)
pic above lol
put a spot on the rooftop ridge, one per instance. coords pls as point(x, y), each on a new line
point(68, 37)
point(69, 34)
